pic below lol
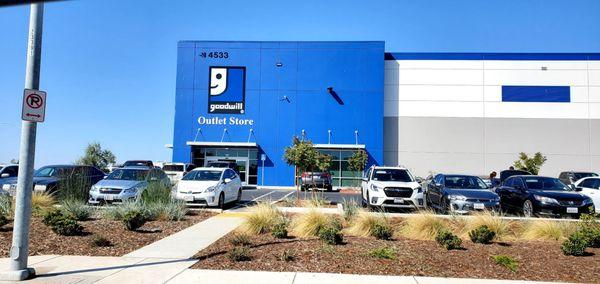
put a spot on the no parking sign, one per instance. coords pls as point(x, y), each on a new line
point(34, 105)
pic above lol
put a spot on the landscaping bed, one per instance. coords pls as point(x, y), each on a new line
point(541, 261)
point(43, 240)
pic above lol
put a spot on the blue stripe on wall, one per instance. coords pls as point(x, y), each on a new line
point(489, 56)
point(542, 94)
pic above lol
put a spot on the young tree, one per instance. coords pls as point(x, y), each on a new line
point(530, 164)
point(303, 156)
point(358, 161)
point(95, 156)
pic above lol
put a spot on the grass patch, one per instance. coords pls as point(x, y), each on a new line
point(547, 230)
point(261, 219)
point(76, 209)
point(100, 241)
point(240, 239)
point(384, 253)
point(6, 206)
point(239, 254)
point(287, 255)
point(506, 261)
point(41, 202)
point(309, 224)
point(501, 228)
point(367, 224)
point(423, 226)
point(351, 210)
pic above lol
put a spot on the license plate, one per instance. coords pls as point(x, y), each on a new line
point(399, 200)
point(189, 198)
point(109, 197)
point(479, 206)
point(572, 210)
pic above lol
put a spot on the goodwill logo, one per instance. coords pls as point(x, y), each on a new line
point(227, 89)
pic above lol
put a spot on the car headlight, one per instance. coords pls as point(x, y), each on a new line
point(375, 188)
point(39, 187)
point(544, 199)
point(210, 189)
point(6, 186)
point(497, 199)
point(133, 190)
point(457, 197)
point(95, 188)
point(587, 201)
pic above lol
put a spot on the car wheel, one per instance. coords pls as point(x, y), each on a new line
point(239, 196)
point(444, 207)
point(221, 204)
point(302, 188)
point(329, 187)
point(527, 209)
point(363, 203)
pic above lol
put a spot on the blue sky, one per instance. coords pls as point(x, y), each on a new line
point(109, 66)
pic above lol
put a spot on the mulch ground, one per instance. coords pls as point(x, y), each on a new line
point(541, 261)
point(43, 241)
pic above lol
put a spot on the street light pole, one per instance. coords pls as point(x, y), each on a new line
point(20, 241)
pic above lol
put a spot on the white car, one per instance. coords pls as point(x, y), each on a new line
point(209, 187)
point(590, 187)
point(391, 187)
point(176, 171)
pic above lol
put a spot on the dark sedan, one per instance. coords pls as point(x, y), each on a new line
point(48, 178)
point(537, 195)
point(460, 194)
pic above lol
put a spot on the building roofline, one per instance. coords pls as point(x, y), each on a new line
point(490, 56)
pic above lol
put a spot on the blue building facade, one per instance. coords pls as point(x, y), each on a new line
point(245, 101)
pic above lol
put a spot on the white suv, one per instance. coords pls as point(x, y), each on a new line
point(391, 187)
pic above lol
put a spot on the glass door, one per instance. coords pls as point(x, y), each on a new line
point(242, 165)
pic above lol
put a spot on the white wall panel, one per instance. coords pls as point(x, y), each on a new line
point(536, 77)
point(439, 93)
point(437, 109)
point(594, 77)
point(536, 110)
point(534, 65)
point(594, 65)
point(440, 64)
point(594, 94)
point(440, 77)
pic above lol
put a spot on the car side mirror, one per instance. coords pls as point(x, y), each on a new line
point(419, 180)
point(4, 175)
point(227, 180)
point(578, 189)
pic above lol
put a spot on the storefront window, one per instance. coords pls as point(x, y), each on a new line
point(340, 173)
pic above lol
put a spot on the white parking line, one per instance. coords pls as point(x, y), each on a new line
point(284, 197)
point(251, 201)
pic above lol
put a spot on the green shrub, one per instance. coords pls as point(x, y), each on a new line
point(156, 193)
point(575, 245)
point(384, 253)
point(74, 185)
point(240, 239)
point(350, 210)
point(279, 230)
point(589, 229)
point(133, 220)
point(288, 255)
point(3, 220)
point(100, 241)
point(51, 216)
point(66, 226)
point(382, 231)
point(506, 261)
point(173, 210)
point(76, 209)
point(239, 254)
point(6, 205)
point(326, 248)
point(448, 240)
point(331, 235)
point(482, 235)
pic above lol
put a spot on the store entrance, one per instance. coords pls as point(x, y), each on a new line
point(246, 160)
point(242, 165)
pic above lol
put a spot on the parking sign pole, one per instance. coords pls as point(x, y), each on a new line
point(20, 240)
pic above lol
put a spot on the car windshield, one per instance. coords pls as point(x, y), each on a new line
point(219, 165)
point(544, 183)
point(392, 175)
point(137, 164)
point(205, 175)
point(464, 182)
point(173, 168)
point(579, 176)
point(51, 172)
point(128, 174)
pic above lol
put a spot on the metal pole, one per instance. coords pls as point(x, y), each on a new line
point(20, 242)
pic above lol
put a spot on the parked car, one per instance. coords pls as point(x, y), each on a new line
point(571, 176)
point(537, 195)
point(6, 172)
point(316, 180)
point(209, 187)
point(590, 187)
point(176, 171)
point(49, 178)
point(460, 194)
point(508, 173)
point(391, 187)
point(138, 163)
point(232, 164)
point(126, 184)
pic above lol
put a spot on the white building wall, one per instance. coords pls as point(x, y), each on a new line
point(448, 115)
